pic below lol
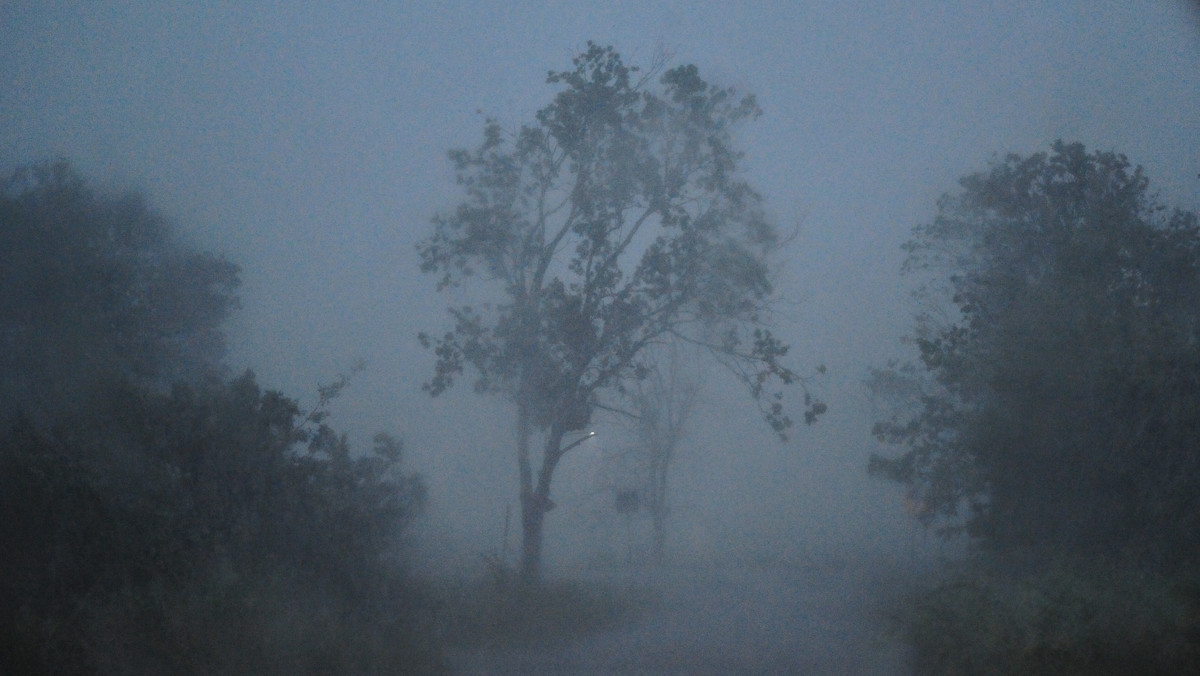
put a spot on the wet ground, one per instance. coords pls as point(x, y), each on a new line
point(778, 618)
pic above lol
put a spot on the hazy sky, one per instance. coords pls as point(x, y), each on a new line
point(306, 141)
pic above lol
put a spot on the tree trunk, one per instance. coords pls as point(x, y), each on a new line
point(531, 515)
point(658, 502)
point(532, 519)
point(535, 502)
point(659, 517)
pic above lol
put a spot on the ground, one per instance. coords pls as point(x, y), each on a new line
point(811, 616)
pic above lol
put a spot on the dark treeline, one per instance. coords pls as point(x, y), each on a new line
point(156, 515)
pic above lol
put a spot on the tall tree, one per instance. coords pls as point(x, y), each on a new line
point(614, 222)
point(96, 286)
point(1060, 399)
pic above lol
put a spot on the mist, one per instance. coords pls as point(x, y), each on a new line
point(307, 144)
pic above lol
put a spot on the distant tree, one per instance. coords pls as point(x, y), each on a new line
point(615, 222)
point(96, 286)
point(662, 405)
point(1058, 402)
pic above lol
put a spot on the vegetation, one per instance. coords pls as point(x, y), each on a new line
point(1054, 414)
point(95, 288)
point(501, 611)
point(616, 221)
point(661, 405)
point(1060, 617)
point(1059, 402)
point(201, 527)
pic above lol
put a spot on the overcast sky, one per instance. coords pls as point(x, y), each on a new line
point(306, 142)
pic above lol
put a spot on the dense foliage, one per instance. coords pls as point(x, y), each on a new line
point(204, 526)
point(1084, 617)
point(96, 286)
point(614, 222)
point(215, 483)
point(1059, 398)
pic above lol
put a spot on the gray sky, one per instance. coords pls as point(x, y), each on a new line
point(306, 141)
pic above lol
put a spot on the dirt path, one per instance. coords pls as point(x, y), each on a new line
point(779, 619)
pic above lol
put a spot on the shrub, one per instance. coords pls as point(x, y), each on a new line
point(162, 532)
point(1061, 618)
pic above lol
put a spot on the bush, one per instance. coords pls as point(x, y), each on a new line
point(208, 530)
point(1061, 618)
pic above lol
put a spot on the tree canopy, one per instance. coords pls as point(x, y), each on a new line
point(616, 221)
point(97, 286)
point(1058, 386)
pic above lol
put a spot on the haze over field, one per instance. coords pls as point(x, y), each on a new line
point(307, 143)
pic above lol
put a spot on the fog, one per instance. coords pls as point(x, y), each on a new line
point(307, 143)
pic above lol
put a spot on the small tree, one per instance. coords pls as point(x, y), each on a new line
point(615, 222)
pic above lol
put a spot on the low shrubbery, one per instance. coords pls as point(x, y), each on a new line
point(213, 529)
point(1054, 618)
point(262, 625)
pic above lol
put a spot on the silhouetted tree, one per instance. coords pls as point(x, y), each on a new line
point(94, 287)
point(1059, 401)
point(615, 221)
